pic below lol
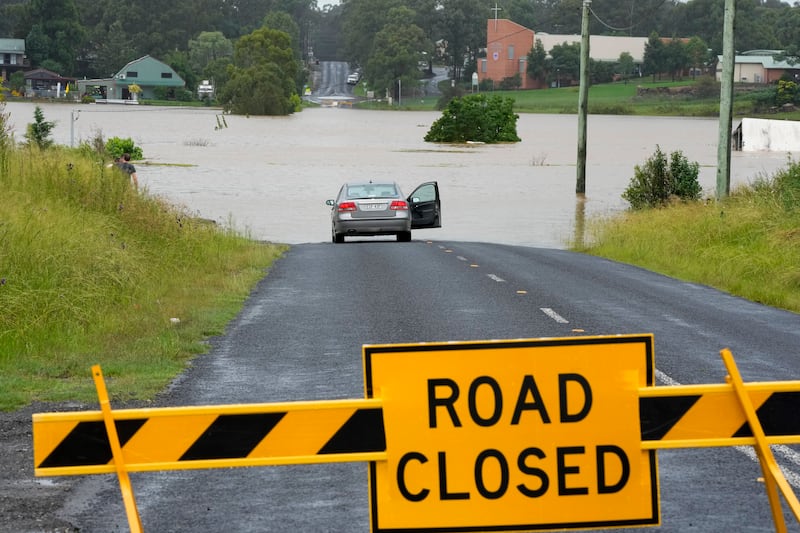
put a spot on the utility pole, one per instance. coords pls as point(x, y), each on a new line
point(583, 99)
point(726, 103)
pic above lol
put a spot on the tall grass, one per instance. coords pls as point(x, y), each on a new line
point(747, 245)
point(94, 272)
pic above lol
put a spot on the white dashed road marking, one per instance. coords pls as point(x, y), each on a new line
point(555, 316)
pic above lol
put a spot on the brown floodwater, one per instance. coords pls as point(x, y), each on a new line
point(270, 176)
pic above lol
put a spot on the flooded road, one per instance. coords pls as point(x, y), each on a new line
point(270, 176)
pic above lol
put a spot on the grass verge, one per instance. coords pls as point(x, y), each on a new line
point(747, 244)
point(94, 272)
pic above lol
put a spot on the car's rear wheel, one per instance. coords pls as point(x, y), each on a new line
point(404, 236)
point(337, 237)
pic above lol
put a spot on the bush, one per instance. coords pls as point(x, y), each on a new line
point(785, 187)
point(657, 181)
point(184, 95)
point(116, 146)
point(486, 84)
point(706, 87)
point(161, 93)
point(476, 118)
point(511, 83)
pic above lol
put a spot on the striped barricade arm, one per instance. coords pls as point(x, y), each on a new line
point(691, 416)
point(211, 437)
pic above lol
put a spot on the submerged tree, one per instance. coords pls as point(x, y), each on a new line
point(660, 179)
point(476, 118)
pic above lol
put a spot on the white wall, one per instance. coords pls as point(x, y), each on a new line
point(759, 135)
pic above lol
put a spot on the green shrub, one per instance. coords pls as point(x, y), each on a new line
point(116, 146)
point(511, 83)
point(477, 118)
point(706, 87)
point(785, 186)
point(658, 180)
point(684, 177)
point(161, 93)
point(184, 95)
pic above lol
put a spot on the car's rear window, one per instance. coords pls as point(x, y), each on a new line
point(372, 190)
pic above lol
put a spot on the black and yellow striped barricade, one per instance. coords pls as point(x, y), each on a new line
point(464, 436)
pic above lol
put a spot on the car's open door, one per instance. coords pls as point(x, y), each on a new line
point(426, 209)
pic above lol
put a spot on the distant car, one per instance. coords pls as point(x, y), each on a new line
point(353, 78)
point(380, 208)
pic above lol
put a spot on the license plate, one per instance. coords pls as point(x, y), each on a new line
point(374, 207)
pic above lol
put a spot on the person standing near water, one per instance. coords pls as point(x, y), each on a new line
point(125, 165)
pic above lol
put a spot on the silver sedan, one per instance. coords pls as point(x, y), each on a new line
point(380, 208)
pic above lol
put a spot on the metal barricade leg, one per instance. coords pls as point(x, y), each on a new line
point(773, 477)
point(134, 522)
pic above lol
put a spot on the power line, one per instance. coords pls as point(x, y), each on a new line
point(645, 16)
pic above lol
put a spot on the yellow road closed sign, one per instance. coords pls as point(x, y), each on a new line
point(512, 435)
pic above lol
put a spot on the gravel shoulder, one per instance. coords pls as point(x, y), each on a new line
point(29, 504)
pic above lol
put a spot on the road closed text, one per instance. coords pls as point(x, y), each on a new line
point(533, 469)
point(518, 435)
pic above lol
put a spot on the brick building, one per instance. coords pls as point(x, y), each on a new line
point(508, 45)
point(507, 48)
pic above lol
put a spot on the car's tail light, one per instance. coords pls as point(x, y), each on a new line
point(347, 206)
point(398, 205)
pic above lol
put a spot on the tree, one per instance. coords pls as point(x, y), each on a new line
point(654, 56)
point(697, 54)
point(464, 31)
point(209, 55)
point(179, 61)
point(396, 52)
point(625, 64)
point(209, 46)
point(476, 117)
point(362, 20)
point(427, 17)
point(39, 131)
point(537, 61)
point(114, 51)
point(262, 75)
point(675, 58)
point(57, 34)
point(282, 21)
point(566, 60)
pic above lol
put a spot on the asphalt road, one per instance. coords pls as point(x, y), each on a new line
point(300, 337)
point(332, 81)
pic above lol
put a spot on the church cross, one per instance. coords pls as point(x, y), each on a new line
point(496, 9)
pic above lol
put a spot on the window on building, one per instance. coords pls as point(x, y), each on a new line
point(483, 66)
point(132, 74)
point(522, 66)
point(166, 74)
point(511, 51)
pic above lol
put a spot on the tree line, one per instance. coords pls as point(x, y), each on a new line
point(387, 39)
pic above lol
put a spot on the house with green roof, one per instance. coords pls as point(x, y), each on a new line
point(759, 66)
point(148, 73)
point(12, 57)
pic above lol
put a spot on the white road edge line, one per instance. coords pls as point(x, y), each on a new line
point(555, 316)
point(786, 452)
